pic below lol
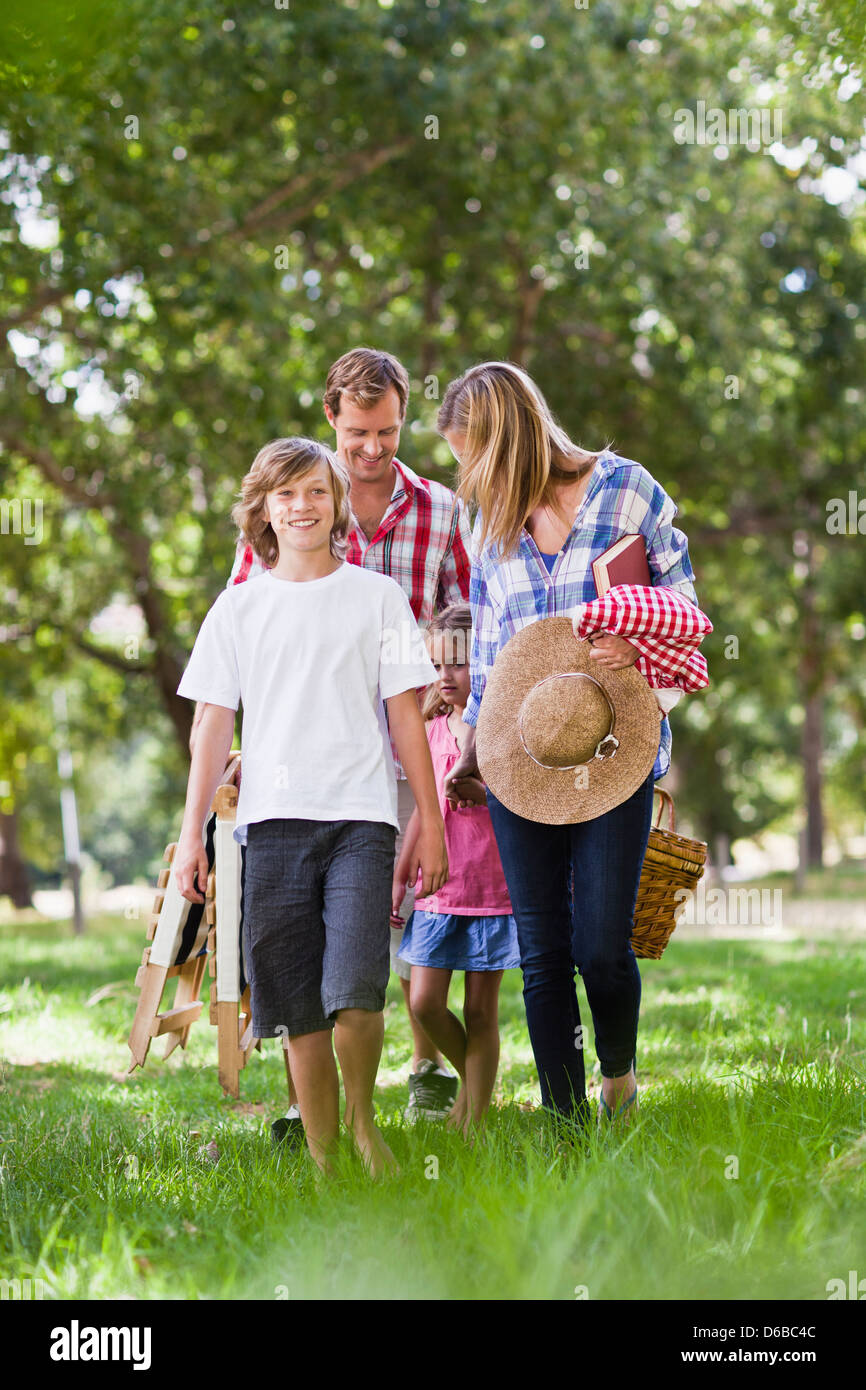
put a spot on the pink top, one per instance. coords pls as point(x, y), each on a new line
point(475, 886)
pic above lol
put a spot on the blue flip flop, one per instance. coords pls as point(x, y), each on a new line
point(625, 1105)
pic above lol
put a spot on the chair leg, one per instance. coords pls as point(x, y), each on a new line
point(188, 987)
point(146, 1011)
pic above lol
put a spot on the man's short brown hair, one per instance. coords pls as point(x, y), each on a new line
point(366, 375)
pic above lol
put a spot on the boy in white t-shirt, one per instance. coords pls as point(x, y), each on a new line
point(312, 651)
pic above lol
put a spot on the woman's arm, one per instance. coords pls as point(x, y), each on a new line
point(482, 654)
point(466, 766)
point(669, 566)
point(668, 548)
point(485, 628)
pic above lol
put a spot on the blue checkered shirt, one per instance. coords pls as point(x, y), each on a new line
point(507, 594)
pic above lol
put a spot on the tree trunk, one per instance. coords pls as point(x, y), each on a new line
point(722, 848)
point(811, 693)
point(74, 872)
point(530, 294)
point(432, 305)
point(14, 879)
point(812, 749)
point(167, 669)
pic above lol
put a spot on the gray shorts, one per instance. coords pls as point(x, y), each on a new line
point(405, 807)
point(317, 897)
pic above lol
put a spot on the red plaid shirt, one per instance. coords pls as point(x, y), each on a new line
point(665, 626)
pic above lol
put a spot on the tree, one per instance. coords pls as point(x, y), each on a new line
point(205, 211)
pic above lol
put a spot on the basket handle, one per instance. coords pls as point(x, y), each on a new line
point(666, 800)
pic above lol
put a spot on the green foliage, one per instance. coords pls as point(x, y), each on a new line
point(243, 193)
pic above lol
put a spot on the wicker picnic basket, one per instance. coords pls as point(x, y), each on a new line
point(672, 862)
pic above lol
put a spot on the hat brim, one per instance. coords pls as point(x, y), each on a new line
point(558, 796)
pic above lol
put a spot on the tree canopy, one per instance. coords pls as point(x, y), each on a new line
point(203, 208)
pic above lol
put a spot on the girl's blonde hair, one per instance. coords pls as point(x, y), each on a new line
point(456, 619)
point(513, 447)
point(282, 461)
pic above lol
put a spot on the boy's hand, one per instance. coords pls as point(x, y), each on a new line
point(430, 857)
point(190, 859)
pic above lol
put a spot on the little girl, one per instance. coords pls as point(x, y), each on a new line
point(467, 924)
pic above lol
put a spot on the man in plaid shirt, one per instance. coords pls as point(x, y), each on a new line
point(415, 530)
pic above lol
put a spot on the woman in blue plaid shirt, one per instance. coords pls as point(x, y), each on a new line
point(546, 510)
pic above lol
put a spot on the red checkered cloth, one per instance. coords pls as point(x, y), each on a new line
point(665, 626)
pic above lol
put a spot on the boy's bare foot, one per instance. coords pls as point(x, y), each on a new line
point(322, 1174)
point(378, 1158)
point(456, 1118)
point(472, 1130)
point(323, 1153)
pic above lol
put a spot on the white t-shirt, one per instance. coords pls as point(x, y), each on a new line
point(312, 662)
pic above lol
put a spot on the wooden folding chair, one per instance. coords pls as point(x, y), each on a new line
point(230, 1007)
point(178, 930)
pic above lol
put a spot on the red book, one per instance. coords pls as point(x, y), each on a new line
point(624, 562)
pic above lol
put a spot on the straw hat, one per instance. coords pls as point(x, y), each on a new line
point(561, 739)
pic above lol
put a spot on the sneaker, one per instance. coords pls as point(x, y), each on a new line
point(431, 1093)
point(289, 1130)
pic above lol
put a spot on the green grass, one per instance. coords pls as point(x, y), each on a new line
point(748, 1051)
point(847, 879)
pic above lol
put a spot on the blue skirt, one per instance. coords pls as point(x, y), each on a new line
point(445, 941)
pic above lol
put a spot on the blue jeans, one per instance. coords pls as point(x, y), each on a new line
point(591, 931)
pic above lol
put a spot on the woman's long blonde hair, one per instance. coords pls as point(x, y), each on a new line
point(513, 447)
point(456, 619)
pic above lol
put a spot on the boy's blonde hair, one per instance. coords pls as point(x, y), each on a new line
point(281, 461)
point(513, 447)
point(456, 621)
